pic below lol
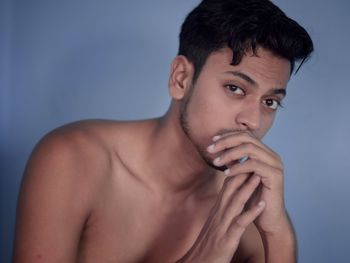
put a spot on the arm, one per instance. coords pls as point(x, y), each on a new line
point(257, 248)
point(251, 248)
point(53, 204)
point(273, 224)
point(280, 245)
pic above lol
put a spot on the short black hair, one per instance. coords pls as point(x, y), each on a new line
point(242, 25)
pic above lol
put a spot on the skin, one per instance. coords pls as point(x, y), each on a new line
point(150, 191)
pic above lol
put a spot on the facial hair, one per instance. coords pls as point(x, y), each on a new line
point(187, 131)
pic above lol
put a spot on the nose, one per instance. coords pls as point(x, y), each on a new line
point(249, 116)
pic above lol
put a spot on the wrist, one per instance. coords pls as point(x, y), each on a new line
point(280, 243)
point(283, 238)
point(282, 226)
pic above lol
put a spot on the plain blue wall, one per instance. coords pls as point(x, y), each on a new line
point(62, 61)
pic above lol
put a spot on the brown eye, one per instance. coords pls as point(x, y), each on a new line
point(234, 89)
point(271, 103)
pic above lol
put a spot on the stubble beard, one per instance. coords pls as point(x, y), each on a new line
point(187, 131)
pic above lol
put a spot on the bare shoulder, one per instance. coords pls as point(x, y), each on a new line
point(79, 154)
point(64, 176)
point(72, 150)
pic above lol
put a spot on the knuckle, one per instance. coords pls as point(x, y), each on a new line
point(250, 146)
point(279, 171)
point(218, 144)
point(279, 174)
point(221, 144)
point(240, 200)
point(240, 223)
point(278, 158)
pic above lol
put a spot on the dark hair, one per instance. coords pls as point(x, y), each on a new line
point(242, 25)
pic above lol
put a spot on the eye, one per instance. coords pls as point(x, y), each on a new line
point(272, 103)
point(235, 89)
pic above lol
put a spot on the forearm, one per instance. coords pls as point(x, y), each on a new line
point(280, 246)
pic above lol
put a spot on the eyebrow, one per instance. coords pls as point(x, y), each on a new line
point(277, 91)
point(282, 92)
point(243, 76)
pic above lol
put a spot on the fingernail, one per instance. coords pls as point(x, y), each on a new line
point(262, 204)
point(217, 160)
point(217, 137)
point(227, 171)
point(211, 147)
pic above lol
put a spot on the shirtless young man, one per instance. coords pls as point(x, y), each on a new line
point(176, 188)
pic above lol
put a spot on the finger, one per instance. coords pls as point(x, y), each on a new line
point(230, 187)
point(240, 223)
point(229, 133)
point(224, 142)
point(247, 150)
point(236, 138)
point(235, 205)
point(269, 175)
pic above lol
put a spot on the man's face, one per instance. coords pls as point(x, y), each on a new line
point(228, 98)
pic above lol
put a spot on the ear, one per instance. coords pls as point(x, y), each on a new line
point(181, 76)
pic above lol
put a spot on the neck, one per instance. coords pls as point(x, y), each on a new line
point(176, 164)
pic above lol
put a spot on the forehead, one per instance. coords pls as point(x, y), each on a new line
point(265, 68)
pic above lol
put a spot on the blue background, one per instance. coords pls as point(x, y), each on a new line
point(62, 61)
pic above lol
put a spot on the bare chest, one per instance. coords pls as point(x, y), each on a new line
point(131, 227)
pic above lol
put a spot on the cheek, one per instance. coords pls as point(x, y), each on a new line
point(208, 102)
point(266, 126)
point(201, 112)
point(206, 114)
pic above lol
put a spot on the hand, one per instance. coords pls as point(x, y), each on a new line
point(227, 221)
point(261, 162)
